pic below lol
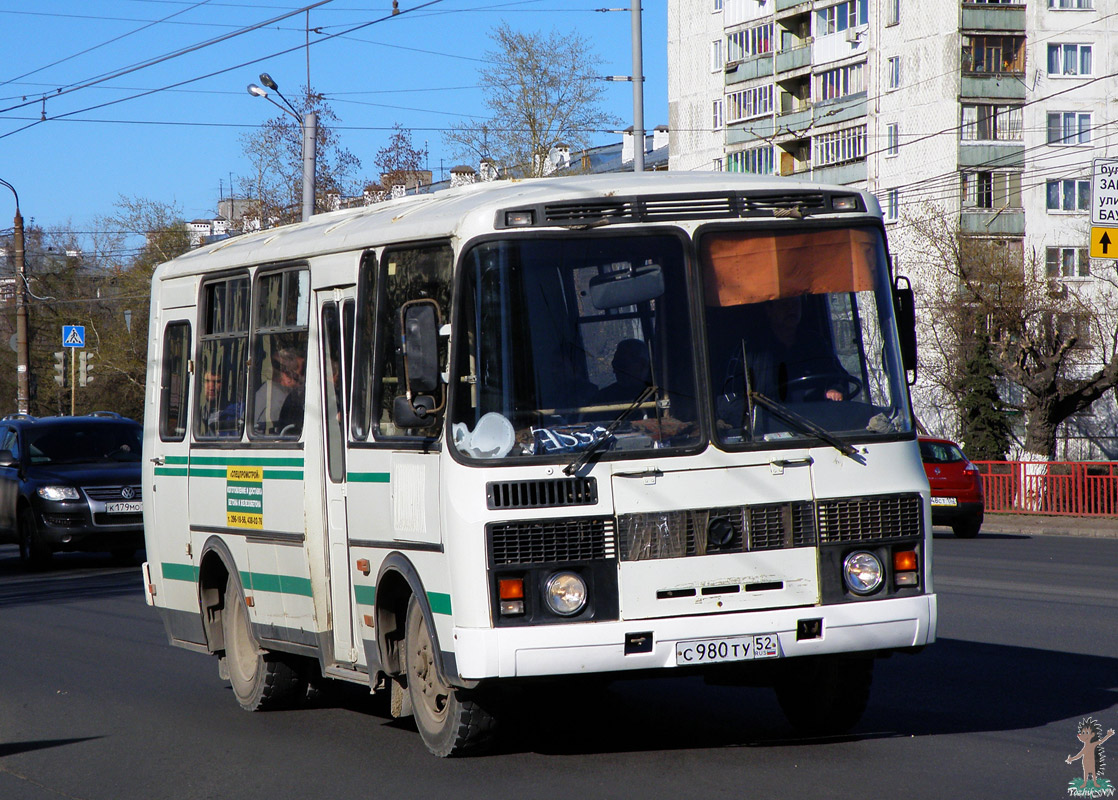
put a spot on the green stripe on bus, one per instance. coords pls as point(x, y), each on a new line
point(439, 602)
point(175, 472)
point(180, 572)
point(279, 584)
point(246, 461)
point(367, 477)
point(176, 459)
point(207, 473)
point(365, 595)
point(283, 475)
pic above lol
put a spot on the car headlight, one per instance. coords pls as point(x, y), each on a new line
point(58, 493)
point(565, 593)
point(862, 572)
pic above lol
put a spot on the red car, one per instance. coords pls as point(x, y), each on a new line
point(956, 487)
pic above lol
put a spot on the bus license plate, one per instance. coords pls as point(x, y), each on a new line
point(135, 507)
point(729, 648)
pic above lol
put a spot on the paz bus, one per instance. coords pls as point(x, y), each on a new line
point(526, 431)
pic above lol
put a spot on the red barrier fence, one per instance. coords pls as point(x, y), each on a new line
point(1075, 488)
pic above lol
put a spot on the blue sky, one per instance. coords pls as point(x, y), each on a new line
point(180, 145)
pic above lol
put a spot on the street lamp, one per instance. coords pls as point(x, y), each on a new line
point(22, 384)
point(309, 123)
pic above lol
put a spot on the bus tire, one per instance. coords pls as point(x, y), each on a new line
point(261, 680)
point(33, 551)
point(825, 696)
point(450, 720)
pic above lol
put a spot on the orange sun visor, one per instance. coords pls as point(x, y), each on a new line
point(740, 267)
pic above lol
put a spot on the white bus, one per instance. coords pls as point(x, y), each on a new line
point(609, 425)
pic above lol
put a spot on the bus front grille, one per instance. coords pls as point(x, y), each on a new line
point(551, 493)
point(873, 518)
point(548, 541)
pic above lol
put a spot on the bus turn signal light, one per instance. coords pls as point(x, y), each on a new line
point(511, 592)
point(905, 567)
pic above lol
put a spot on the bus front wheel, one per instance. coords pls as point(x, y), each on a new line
point(260, 680)
point(450, 720)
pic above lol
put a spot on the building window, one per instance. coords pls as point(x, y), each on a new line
point(991, 190)
point(894, 72)
point(718, 165)
point(840, 146)
point(892, 12)
point(994, 54)
point(1072, 4)
point(1069, 59)
point(1067, 262)
point(835, 19)
point(716, 114)
point(984, 122)
point(1069, 127)
point(892, 139)
point(749, 103)
point(892, 210)
point(840, 82)
point(717, 6)
point(749, 42)
point(1069, 195)
point(758, 161)
point(716, 55)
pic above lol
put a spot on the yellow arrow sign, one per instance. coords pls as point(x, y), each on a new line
point(1104, 242)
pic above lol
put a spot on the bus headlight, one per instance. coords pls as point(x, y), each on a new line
point(862, 572)
point(565, 593)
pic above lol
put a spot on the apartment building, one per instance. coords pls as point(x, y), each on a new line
point(985, 114)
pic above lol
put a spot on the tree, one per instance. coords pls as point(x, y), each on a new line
point(1055, 341)
point(399, 161)
point(985, 430)
point(541, 91)
point(275, 152)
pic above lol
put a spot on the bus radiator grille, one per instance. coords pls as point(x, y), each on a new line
point(551, 541)
point(866, 519)
point(542, 493)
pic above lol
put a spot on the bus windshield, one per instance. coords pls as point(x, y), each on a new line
point(574, 344)
point(800, 334)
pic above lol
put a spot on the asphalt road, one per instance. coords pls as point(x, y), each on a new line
point(95, 705)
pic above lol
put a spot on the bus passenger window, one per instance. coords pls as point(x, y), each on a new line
point(278, 386)
point(220, 391)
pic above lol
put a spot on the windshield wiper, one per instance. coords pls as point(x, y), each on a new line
point(596, 445)
point(805, 425)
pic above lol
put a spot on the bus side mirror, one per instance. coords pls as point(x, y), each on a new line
point(904, 304)
point(419, 348)
point(627, 287)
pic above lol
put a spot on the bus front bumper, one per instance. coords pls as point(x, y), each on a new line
point(869, 626)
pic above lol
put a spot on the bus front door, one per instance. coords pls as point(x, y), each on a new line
point(336, 312)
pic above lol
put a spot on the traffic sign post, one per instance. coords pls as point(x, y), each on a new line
point(73, 336)
point(1104, 208)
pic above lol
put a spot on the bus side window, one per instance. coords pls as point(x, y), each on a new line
point(223, 349)
point(278, 387)
point(174, 384)
point(364, 395)
point(406, 274)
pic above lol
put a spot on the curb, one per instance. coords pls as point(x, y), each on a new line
point(1042, 525)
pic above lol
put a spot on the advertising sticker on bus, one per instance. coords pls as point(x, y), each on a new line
point(244, 493)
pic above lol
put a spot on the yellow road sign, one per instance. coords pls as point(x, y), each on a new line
point(1104, 242)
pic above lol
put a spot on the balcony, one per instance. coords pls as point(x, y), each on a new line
point(994, 17)
point(1010, 222)
point(750, 130)
point(850, 172)
point(749, 69)
point(992, 86)
point(994, 155)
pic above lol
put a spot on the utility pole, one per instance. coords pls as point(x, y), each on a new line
point(638, 88)
point(22, 383)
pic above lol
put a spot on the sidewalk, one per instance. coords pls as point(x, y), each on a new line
point(1040, 524)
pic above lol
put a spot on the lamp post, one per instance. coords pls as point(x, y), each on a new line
point(309, 125)
point(22, 383)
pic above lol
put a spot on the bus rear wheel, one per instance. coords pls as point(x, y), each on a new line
point(825, 695)
point(261, 680)
point(450, 720)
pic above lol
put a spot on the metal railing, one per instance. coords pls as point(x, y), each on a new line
point(1073, 488)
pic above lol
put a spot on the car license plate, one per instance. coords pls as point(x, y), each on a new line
point(727, 648)
point(944, 501)
point(134, 507)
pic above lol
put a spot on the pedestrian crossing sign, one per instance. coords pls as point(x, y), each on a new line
point(73, 336)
